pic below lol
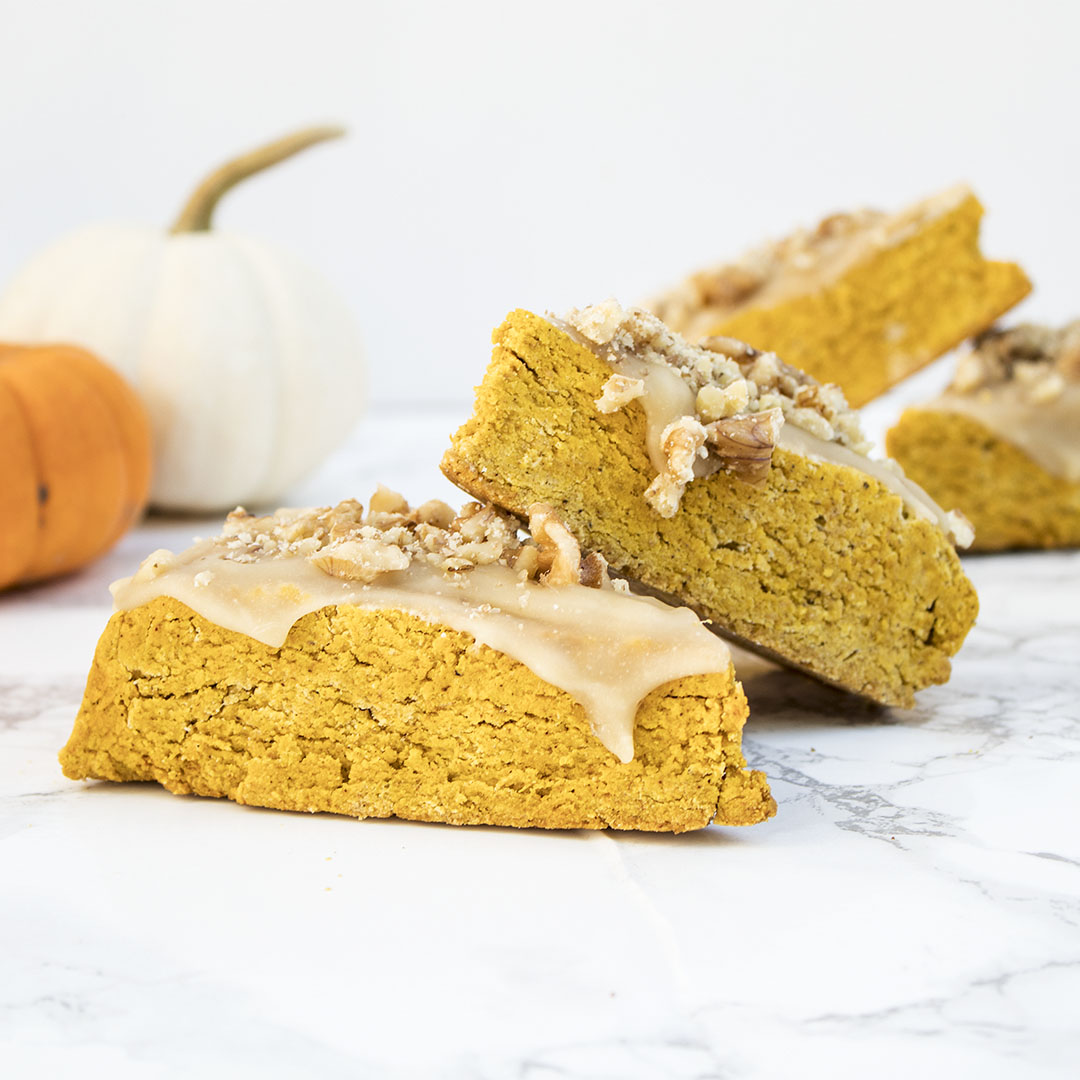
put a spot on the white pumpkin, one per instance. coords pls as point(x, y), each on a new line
point(249, 364)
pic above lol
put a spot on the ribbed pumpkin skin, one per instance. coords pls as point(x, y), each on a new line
point(75, 460)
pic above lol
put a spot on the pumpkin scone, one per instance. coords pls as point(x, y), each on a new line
point(418, 664)
point(721, 477)
point(1003, 442)
point(862, 300)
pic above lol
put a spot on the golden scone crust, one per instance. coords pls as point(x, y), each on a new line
point(380, 714)
point(1012, 501)
point(890, 313)
point(823, 568)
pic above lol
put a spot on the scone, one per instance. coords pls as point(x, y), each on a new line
point(415, 664)
point(721, 477)
point(863, 300)
point(1003, 442)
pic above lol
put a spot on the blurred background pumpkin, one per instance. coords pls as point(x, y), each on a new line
point(249, 364)
point(75, 457)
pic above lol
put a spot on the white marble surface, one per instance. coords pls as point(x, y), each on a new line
point(913, 910)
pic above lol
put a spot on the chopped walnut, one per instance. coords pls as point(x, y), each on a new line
point(765, 371)
point(746, 392)
point(600, 322)
point(154, 565)
point(594, 571)
point(745, 444)
point(527, 560)
point(1068, 357)
point(361, 560)
point(960, 531)
point(435, 512)
point(682, 443)
point(796, 264)
point(385, 501)
point(728, 286)
point(719, 365)
point(730, 347)
point(559, 556)
point(710, 295)
point(1049, 388)
point(718, 403)
point(346, 543)
point(618, 391)
point(1038, 360)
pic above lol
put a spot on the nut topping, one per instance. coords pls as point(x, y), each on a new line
point(681, 442)
point(559, 559)
point(1038, 360)
point(345, 542)
point(618, 391)
point(745, 444)
point(738, 399)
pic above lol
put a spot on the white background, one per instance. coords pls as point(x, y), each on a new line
point(543, 155)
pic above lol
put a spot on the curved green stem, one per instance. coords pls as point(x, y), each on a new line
point(199, 209)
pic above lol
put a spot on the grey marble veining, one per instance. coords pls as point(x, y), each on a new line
point(914, 908)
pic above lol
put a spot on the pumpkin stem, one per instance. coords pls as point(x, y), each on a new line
point(199, 209)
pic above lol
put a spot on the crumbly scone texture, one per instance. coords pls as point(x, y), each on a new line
point(899, 306)
point(380, 714)
point(1012, 501)
point(822, 567)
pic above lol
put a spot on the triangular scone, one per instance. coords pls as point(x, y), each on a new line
point(1002, 444)
point(729, 481)
point(863, 300)
point(387, 665)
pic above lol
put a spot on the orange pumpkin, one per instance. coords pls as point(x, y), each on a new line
point(75, 460)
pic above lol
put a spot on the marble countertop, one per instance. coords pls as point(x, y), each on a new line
point(913, 909)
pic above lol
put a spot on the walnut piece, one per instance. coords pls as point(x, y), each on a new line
point(556, 556)
point(727, 286)
point(716, 403)
point(959, 530)
point(1068, 357)
point(343, 541)
point(712, 294)
point(385, 501)
point(346, 543)
point(722, 367)
point(1039, 360)
point(435, 512)
point(618, 391)
point(559, 556)
point(598, 323)
point(682, 444)
point(594, 571)
point(745, 444)
point(154, 565)
point(730, 347)
point(361, 560)
point(742, 394)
